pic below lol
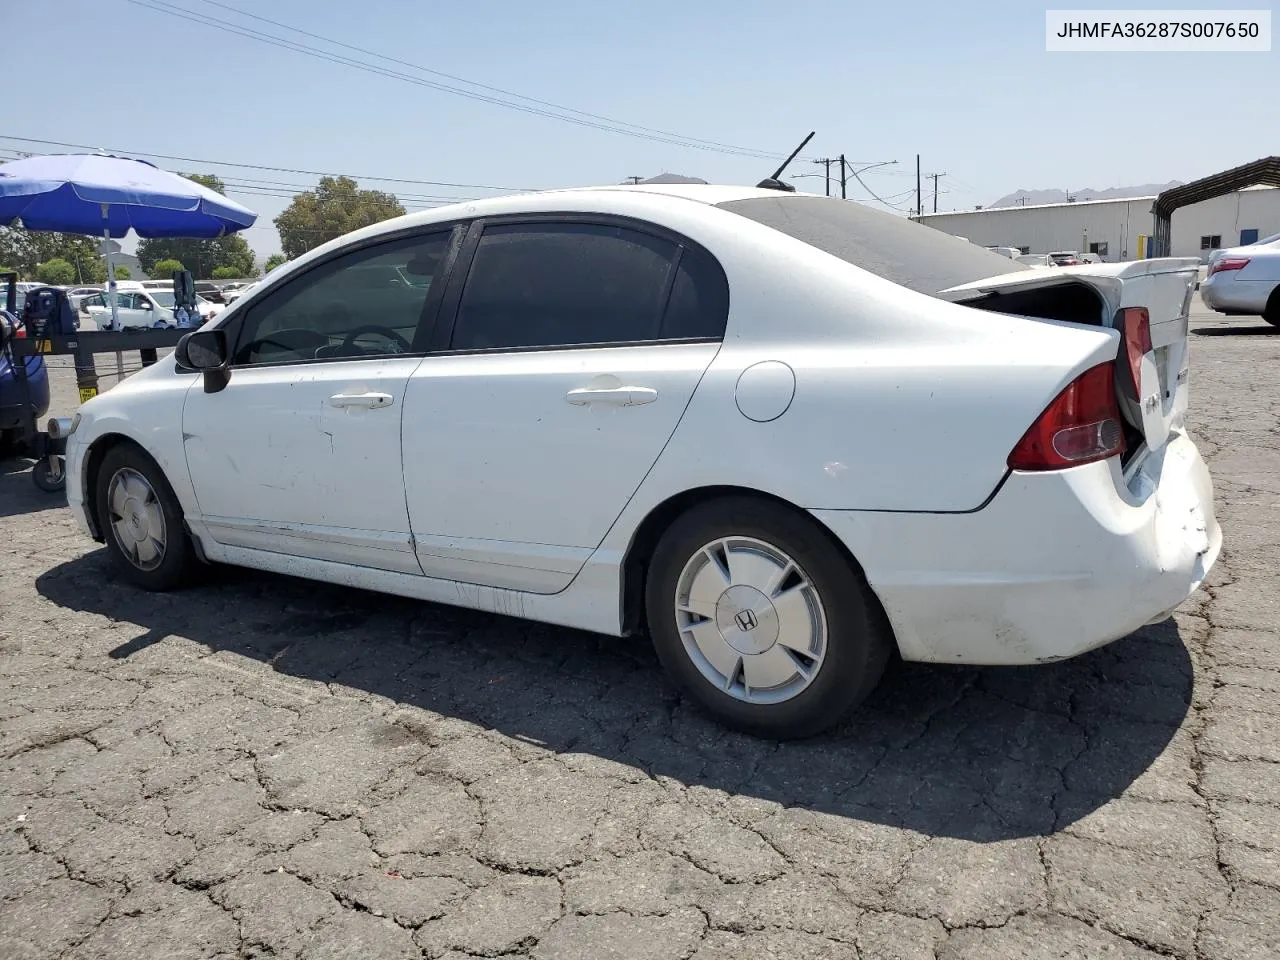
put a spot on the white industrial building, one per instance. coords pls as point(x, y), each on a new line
point(1118, 229)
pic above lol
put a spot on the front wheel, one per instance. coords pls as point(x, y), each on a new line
point(762, 620)
point(142, 520)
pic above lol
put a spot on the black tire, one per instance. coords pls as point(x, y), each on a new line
point(177, 555)
point(858, 638)
point(9, 443)
point(1271, 313)
point(42, 476)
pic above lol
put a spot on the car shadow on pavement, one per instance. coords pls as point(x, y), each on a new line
point(979, 754)
point(18, 495)
point(1265, 330)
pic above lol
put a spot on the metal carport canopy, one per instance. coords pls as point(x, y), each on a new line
point(1264, 171)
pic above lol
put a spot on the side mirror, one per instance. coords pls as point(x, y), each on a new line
point(205, 351)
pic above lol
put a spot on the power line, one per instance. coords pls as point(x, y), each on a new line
point(160, 6)
point(482, 86)
point(874, 195)
point(269, 169)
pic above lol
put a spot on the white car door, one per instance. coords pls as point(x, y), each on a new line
point(300, 452)
point(573, 351)
point(126, 309)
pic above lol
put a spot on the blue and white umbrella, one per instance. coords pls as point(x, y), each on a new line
point(108, 196)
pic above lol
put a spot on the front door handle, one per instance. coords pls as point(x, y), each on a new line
point(615, 396)
point(366, 401)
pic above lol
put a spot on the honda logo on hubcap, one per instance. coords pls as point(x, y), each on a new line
point(746, 620)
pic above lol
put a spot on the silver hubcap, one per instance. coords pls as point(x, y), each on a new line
point(136, 518)
point(751, 620)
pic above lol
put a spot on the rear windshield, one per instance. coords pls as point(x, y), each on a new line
point(910, 254)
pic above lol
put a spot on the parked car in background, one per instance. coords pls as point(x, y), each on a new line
point(1011, 252)
point(1065, 258)
point(1035, 260)
point(17, 403)
point(77, 295)
point(140, 309)
point(210, 291)
point(233, 292)
point(628, 410)
point(1245, 280)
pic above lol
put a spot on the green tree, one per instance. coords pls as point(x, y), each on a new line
point(202, 257)
point(56, 272)
point(164, 269)
point(27, 249)
point(274, 261)
point(226, 273)
point(122, 273)
point(336, 206)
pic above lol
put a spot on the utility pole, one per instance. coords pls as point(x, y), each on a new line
point(844, 180)
point(826, 163)
point(919, 202)
point(934, 177)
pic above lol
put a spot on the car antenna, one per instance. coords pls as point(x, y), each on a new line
point(773, 182)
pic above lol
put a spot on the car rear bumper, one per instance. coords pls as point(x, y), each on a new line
point(1056, 564)
point(1226, 293)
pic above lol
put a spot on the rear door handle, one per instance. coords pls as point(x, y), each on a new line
point(614, 396)
point(366, 401)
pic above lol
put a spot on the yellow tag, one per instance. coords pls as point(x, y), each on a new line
point(45, 346)
point(87, 394)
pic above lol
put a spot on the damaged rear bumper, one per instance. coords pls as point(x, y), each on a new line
point(1056, 564)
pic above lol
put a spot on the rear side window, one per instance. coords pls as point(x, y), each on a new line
point(910, 254)
point(564, 284)
point(699, 304)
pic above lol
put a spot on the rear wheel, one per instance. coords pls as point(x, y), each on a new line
point(761, 619)
point(142, 520)
point(1271, 312)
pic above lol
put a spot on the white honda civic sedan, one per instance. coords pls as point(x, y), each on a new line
point(782, 435)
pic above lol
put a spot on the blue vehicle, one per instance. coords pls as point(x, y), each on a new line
point(17, 404)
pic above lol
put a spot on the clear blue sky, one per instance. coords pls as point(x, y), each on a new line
point(967, 85)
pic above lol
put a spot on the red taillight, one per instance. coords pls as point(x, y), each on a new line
point(1080, 426)
point(1228, 263)
point(20, 331)
point(1135, 323)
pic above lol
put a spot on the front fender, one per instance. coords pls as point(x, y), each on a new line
point(146, 410)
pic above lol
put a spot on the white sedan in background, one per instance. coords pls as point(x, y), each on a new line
point(782, 435)
point(1245, 280)
point(141, 309)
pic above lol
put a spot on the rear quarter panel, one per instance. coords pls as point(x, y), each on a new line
point(901, 401)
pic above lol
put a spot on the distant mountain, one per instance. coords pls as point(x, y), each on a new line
point(672, 178)
point(1034, 197)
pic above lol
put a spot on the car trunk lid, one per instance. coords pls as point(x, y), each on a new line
point(1154, 402)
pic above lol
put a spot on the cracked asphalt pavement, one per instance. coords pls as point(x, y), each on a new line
point(266, 767)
